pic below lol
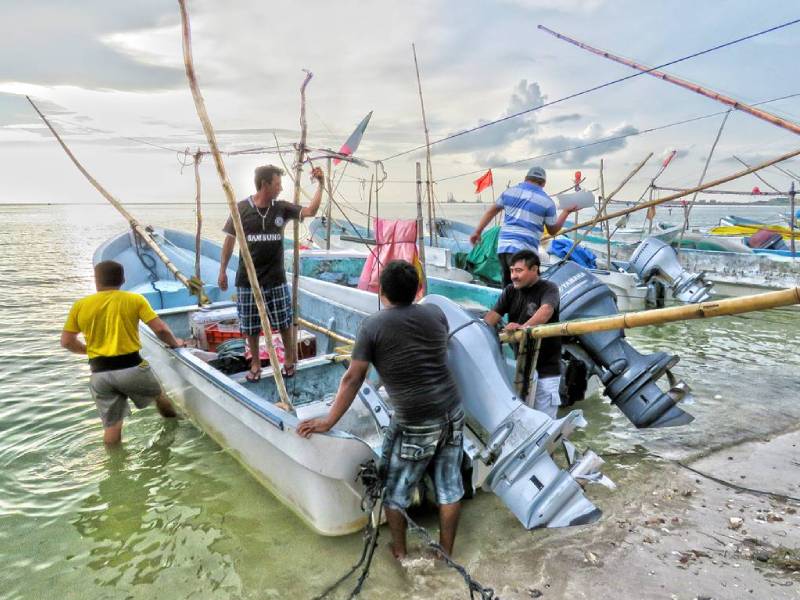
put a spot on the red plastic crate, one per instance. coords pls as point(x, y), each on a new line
point(216, 334)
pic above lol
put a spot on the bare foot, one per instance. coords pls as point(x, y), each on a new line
point(398, 555)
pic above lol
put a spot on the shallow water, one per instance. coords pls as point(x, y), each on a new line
point(172, 515)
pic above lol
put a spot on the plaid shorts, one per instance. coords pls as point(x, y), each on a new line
point(435, 446)
point(279, 307)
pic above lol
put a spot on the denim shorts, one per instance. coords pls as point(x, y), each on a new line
point(434, 445)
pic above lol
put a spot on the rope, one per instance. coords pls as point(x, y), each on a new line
point(474, 586)
point(151, 266)
point(595, 88)
point(613, 139)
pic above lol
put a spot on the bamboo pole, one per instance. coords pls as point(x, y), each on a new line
point(428, 167)
point(700, 188)
point(792, 217)
point(198, 213)
point(688, 208)
point(195, 286)
point(602, 212)
point(732, 102)
point(599, 215)
point(325, 331)
point(329, 208)
point(704, 310)
point(244, 251)
point(298, 171)
point(369, 203)
point(420, 232)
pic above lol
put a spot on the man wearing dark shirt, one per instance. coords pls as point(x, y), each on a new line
point(407, 344)
point(529, 301)
point(264, 218)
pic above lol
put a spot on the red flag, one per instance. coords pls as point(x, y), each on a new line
point(756, 191)
point(668, 160)
point(483, 182)
point(578, 179)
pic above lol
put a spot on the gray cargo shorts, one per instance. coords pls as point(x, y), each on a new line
point(111, 390)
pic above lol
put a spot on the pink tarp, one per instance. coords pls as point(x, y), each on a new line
point(395, 240)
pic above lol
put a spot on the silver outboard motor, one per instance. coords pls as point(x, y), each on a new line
point(518, 440)
point(656, 260)
point(628, 376)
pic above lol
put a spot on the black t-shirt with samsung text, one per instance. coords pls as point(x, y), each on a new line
point(520, 305)
point(263, 228)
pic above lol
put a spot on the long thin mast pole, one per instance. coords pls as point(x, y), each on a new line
point(732, 102)
point(329, 208)
point(298, 171)
point(428, 167)
point(244, 251)
point(420, 232)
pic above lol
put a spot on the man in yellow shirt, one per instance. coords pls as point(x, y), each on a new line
point(109, 322)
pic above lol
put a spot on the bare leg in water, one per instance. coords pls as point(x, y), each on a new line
point(448, 523)
point(397, 527)
point(165, 408)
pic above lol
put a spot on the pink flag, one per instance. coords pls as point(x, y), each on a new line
point(351, 145)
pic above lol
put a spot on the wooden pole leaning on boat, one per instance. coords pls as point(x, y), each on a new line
point(244, 251)
point(704, 310)
point(298, 171)
point(195, 286)
point(198, 214)
point(601, 210)
point(751, 110)
point(681, 194)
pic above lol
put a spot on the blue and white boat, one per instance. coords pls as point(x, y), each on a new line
point(509, 445)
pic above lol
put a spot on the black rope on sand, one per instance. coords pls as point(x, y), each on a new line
point(484, 593)
point(373, 495)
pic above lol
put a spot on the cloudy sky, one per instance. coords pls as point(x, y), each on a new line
point(111, 77)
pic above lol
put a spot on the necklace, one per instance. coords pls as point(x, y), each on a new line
point(264, 216)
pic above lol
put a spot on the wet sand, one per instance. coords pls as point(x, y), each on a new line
point(667, 532)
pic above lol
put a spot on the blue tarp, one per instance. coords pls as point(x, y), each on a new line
point(584, 257)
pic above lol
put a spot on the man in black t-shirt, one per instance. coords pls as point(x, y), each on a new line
point(263, 220)
point(529, 301)
point(407, 343)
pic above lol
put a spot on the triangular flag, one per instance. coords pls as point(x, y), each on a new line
point(483, 182)
point(351, 145)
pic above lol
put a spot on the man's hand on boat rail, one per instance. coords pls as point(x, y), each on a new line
point(306, 428)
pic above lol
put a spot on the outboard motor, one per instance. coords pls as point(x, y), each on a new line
point(520, 440)
point(628, 376)
point(656, 260)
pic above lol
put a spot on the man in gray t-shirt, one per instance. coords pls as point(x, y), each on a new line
point(407, 344)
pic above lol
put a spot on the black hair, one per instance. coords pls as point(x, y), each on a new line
point(265, 174)
point(400, 282)
point(529, 257)
point(536, 180)
point(109, 273)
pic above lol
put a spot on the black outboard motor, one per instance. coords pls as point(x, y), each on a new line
point(628, 376)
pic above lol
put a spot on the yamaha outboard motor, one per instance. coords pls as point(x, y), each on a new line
point(518, 441)
point(628, 376)
point(654, 260)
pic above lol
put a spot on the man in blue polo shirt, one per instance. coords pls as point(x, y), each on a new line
point(528, 212)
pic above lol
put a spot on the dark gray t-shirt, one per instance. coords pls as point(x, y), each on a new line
point(408, 347)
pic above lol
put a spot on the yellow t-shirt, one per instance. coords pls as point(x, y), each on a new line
point(109, 320)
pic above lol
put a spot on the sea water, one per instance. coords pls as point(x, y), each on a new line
point(170, 514)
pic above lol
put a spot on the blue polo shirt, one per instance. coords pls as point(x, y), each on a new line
point(527, 209)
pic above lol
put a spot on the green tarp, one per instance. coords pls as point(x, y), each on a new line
point(482, 260)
